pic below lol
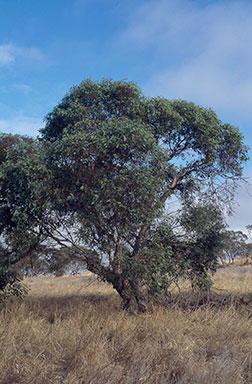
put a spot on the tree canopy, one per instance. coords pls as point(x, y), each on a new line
point(234, 246)
point(100, 178)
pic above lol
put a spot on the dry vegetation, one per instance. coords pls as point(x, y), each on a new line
point(71, 330)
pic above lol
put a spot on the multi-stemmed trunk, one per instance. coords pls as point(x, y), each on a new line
point(132, 291)
point(133, 294)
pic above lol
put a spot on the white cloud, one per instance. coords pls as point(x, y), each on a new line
point(201, 53)
point(6, 55)
point(10, 53)
point(20, 87)
point(160, 22)
point(205, 51)
point(21, 124)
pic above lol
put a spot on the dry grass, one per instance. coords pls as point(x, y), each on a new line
point(71, 330)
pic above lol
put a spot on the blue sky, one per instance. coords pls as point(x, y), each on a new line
point(196, 50)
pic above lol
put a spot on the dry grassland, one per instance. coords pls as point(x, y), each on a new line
point(71, 330)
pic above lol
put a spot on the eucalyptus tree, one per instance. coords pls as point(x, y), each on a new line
point(103, 172)
point(234, 245)
point(20, 235)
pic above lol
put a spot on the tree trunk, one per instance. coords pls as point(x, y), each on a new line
point(133, 294)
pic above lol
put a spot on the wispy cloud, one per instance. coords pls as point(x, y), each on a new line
point(22, 124)
point(17, 87)
point(6, 55)
point(200, 52)
point(10, 53)
point(210, 45)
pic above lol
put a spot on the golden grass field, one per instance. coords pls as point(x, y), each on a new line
point(71, 330)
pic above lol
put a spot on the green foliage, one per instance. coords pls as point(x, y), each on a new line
point(234, 245)
point(199, 242)
point(20, 210)
point(10, 277)
point(154, 263)
point(16, 288)
point(100, 176)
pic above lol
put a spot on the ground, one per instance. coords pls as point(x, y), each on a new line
point(71, 330)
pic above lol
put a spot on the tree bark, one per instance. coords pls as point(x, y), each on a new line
point(133, 294)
